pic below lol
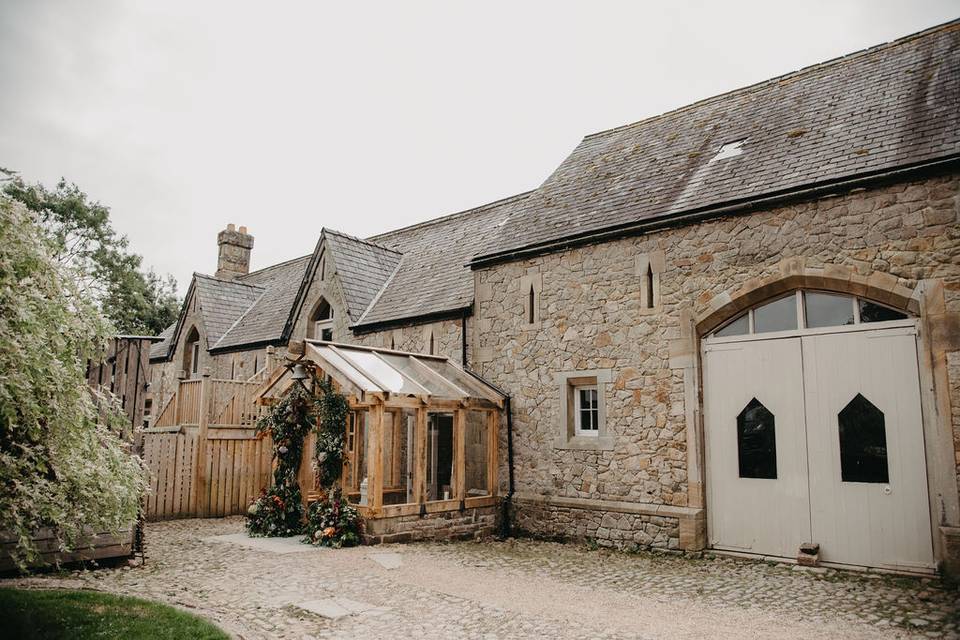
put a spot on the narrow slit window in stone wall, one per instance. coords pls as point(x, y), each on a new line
point(531, 305)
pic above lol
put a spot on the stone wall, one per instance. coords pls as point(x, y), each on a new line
point(447, 525)
point(415, 338)
point(593, 314)
point(606, 528)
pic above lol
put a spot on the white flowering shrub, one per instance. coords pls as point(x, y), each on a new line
point(59, 467)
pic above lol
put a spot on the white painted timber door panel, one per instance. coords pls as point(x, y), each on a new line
point(769, 516)
point(863, 520)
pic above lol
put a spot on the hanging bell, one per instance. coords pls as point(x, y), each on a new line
point(299, 372)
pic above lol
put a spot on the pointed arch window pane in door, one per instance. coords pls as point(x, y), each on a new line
point(863, 442)
point(756, 442)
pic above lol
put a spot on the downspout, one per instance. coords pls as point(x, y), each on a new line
point(508, 502)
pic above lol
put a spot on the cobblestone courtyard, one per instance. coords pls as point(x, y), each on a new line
point(513, 589)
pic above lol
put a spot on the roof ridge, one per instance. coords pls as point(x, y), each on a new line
point(226, 281)
point(239, 318)
point(274, 266)
point(361, 240)
point(380, 292)
point(756, 86)
point(454, 215)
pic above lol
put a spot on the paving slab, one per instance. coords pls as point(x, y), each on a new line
point(387, 560)
point(287, 544)
point(336, 608)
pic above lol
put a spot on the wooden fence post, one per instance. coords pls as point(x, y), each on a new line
point(420, 457)
point(200, 478)
point(459, 454)
point(375, 462)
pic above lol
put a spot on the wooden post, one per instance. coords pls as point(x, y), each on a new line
point(268, 363)
point(375, 463)
point(420, 457)
point(459, 453)
point(200, 478)
point(181, 375)
point(493, 444)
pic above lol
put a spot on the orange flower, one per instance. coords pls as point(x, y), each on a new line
point(329, 531)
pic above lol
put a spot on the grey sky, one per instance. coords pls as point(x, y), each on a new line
point(286, 117)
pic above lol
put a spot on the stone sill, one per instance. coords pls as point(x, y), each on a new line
point(585, 443)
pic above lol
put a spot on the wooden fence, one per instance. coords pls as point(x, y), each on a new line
point(210, 462)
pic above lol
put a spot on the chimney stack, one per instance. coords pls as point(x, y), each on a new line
point(234, 257)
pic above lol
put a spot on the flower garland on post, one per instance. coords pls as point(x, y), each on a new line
point(331, 521)
point(278, 511)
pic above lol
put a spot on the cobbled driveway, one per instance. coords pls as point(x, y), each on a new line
point(513, 589)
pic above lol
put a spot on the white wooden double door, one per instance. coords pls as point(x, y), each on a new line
point(800, 385)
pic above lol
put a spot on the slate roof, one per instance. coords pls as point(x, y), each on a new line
point(889, 106)
point(222, 302)
point(362, 268)
point(265, 319)
point(434, 276)
point(159, 349)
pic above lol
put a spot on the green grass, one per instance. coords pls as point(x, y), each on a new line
point(77, 615)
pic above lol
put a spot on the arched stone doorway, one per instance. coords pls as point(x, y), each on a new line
point(813, 425)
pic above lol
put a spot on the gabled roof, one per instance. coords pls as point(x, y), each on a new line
point(362, 267)
point(222, 302)
point(263, 322)
point(890, 106)
point(433, 277)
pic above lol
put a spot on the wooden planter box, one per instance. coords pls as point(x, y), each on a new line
point(98, 546)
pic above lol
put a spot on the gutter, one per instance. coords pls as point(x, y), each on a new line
point(670, 220)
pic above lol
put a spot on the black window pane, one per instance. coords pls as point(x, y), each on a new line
point(779, 315)
point(586, 420)
point(873, 312)
point(756, 442)
point(863, 442)
point(827, 309)
point(739, 327)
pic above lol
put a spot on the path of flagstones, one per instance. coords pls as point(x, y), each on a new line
point(513, 589)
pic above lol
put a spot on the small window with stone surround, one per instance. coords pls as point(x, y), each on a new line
point(321, 322)
point(583, 410)
point(648, 267)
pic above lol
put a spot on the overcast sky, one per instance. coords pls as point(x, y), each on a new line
point(364, 117)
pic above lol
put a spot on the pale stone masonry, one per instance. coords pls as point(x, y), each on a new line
point(608, 278)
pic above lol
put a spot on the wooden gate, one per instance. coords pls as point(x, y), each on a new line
point(211, 463)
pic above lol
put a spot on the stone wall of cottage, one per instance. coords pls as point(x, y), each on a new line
point(415, 338)
point(592, 315)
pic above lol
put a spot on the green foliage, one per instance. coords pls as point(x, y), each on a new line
point(278, 511)
point(60, 467)
point(332, 522)
point(78, 615)
point(82, 238)
point(332, 409)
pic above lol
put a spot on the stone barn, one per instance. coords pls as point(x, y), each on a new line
point(732, 326)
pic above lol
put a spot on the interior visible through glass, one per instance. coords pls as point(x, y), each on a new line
point(476, 454)
point(873, 312)
point(439, 456)
point(756, 442)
